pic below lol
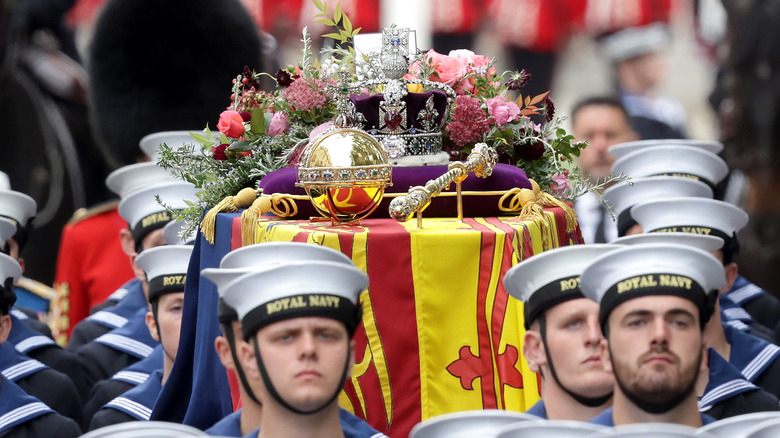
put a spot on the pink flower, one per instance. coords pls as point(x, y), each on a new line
point(469, 122)
point(305, 94)
point(231, 124)
point(502, 111)
point(448, 69)
point(279, 124)
point(560, 182)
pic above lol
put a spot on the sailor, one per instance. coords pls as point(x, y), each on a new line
point(563, 337)
point(724, 392)
point(19, 209)
point(125, 301)
point(297, 348)
point(754, 357)
point(166, 272)
point(655, 300)
point(122, 347)
point(20, 404)
point(121, 382)
point(233, 265)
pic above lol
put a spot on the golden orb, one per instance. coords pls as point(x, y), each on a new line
point(345, 172)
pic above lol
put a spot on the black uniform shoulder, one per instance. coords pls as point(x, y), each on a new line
point(744, 403)
point(764, 309)
point(102, 393)
point(50, 425)
point(56, 390)
point(85, 332)
point(769, 380)
point(107, 417)
point(98, 362)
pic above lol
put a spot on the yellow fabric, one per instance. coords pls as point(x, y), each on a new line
point(449, 261)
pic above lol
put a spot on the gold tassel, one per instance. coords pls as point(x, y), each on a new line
point(548, 200)
point(281, 205)
point(524, 201)
point(231, 204)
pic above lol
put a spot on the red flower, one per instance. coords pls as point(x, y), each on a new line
point(219, 152)
point(231, 124)
point(530, 152)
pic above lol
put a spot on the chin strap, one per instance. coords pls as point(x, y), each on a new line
point(228, 330)
point(272, 390)
point(590, 402)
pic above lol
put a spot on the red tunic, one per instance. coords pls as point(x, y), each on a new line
point(90, 266)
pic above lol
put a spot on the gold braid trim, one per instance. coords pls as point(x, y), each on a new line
point(231, 204)
point(548, 200)
point(280, 204)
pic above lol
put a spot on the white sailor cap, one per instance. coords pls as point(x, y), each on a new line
point(467, 424)
point(623, 195)
point(172, 233)
point(166, 268)
point(260, 256)
point(701, 241)
point(7, 230)
point(767, 429)
point(551, 277)
point(549, 429)
point(692, 215)
point(736, 426)
point(144, 429)
point(151, 143)
point(687, 161)
point(650, 430)
point(620, 149)
point(128, 179)
point(9, 268)
point(653, 269)
point(293, 290)
point(10, 271)
point(5, 182)
point(144, 214)
point(17, 207)
point(635, 41)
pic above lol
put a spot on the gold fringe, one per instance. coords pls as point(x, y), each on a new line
point(548, 200)
point(281, 205)
point(231, 204)
point(525, 202)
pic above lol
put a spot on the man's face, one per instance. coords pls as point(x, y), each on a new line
point(601, 126)
point(574, 340)
point(170, 308)
point(656, 347)
point(305, 359)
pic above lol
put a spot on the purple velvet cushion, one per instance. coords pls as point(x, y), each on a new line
point(504, 177)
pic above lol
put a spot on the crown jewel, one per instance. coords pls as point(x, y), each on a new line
point(406, 123)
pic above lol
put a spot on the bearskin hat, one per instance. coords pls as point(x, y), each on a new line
point(161, 65)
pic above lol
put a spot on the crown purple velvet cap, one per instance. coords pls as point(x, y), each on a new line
point(368, 105)
point(505, 177)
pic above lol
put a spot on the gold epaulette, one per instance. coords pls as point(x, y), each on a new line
point(44, 291)
point(85, 213)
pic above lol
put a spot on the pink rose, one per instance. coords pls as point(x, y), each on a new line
point(502, 111)
point(448, 69)
point(231, 124)
point(279, 124)
point(560, 182)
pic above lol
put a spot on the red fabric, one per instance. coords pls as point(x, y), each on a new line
point(90, 266)
point(537, 25)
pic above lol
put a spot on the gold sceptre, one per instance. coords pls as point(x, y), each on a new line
point(481, 161)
